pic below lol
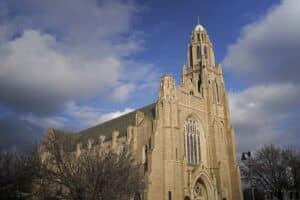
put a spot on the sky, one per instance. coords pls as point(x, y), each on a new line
point(71, 64)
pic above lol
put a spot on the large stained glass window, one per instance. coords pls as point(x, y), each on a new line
point(192, 141)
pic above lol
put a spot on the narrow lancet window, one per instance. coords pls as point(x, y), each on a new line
point(198, 52)
point(199, 82)
point(217, 93)
point(191, 56)
point(205, 52)
point(145, 158)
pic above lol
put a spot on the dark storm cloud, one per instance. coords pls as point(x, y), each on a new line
point(18, 134)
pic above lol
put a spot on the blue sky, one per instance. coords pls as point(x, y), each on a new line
point(73, 64)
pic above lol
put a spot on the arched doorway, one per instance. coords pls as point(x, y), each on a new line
point(200, 191)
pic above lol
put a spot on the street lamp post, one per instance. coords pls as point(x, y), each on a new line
point(247, 156)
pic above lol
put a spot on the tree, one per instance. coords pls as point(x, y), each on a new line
point(273, 169)
point(92, 175)
point(292, 164)
point(17, 172)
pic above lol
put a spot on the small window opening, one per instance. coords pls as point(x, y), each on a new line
point(198, 37)
point(198, 52)
point(191, 56)
point(205, 52)
point(176, 152)
point(150, 143)
point(199, 83)
point(217, 92)
point(170, 195)
point(191, 92)
point(145, 158)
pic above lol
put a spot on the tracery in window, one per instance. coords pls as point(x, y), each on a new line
point(192, 141)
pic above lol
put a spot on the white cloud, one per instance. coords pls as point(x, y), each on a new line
point(74, 117)
point(267, 55)
point(269, 49)
point(262, 104)
point(112, 115)
point(90, 116)
point(45, 122)
point(61, 51)
point(258, 111)
point(123, 91)
point(34, 72)
point(72, 21)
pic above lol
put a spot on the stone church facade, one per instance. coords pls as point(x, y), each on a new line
point(185, 140)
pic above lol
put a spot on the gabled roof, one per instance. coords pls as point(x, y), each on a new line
point(119, 124)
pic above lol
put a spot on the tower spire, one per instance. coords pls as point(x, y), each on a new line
point(198, 19)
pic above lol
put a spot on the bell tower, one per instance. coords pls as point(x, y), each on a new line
point(200, 56)
point(204, 87)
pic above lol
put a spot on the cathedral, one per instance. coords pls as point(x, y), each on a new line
point(185, 140)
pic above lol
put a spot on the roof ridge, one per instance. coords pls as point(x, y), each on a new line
point(113, 119)
point(120, 123)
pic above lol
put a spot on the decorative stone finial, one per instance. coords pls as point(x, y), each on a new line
point(101, 139)
point(90, 144)
point(78, 149)
point(167, 87)
point(115, 134)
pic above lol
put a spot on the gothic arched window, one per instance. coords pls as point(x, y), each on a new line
point(192, 141)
